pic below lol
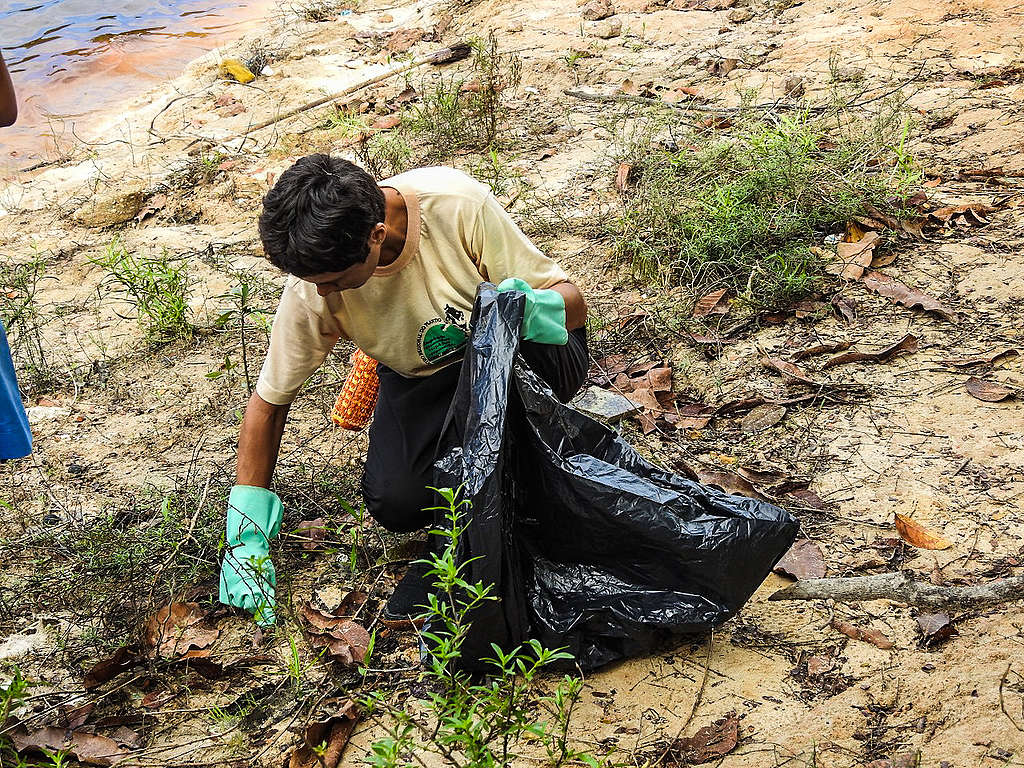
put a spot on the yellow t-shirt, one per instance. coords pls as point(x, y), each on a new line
point(413, 314)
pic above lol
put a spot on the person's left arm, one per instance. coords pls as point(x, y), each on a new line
point(575, 306)
point(503, 251)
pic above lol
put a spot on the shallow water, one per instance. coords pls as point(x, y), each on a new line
point(72, 60)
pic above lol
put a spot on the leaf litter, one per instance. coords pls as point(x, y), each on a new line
point(712, 742)
point(911, 298)
point(989, 391)
point(917, 535)
point(906, 345)
point(804, 560)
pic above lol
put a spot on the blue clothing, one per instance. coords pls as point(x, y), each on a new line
point(15, 437)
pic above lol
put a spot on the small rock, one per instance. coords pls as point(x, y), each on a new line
point(16, 646)
point(607, 28)
point(795, 86)
point(595, 10)
point(740, 15)
point(848, 74)
point(603, 404)
point(225, 189)
point(37, 414)
point(112, 207)
point(385, 18)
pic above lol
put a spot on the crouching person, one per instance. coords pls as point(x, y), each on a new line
point(394, 267)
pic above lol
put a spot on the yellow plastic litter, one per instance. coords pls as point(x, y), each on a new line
point(359, 394)
point(237, 70)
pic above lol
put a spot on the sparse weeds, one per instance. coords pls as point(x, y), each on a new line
point(480, 723)
point(741, 209)
point(111, 571)
point(20, 314)
point(157, 286)
point(457, 115)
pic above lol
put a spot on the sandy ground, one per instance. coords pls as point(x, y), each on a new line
point(126, 424)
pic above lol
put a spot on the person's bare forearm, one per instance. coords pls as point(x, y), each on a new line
point(260, 441)
point(8, 102)
point(575, 306)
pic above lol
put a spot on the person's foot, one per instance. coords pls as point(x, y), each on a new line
point(408, 599)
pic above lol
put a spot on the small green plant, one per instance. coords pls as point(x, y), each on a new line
point(491, 721)
point(240, 309)
point(740, 209)
point(11, 696)
point(157, 286)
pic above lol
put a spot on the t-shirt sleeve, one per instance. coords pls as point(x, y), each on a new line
point(304, 333)
point(501, 250)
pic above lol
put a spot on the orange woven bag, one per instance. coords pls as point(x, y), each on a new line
point(359, 395)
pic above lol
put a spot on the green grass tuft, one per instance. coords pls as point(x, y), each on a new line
point(741, 209)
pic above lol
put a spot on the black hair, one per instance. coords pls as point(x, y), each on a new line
point(319, 215)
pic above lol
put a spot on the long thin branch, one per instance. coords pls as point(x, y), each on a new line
point(901, 587)
point(443, 56)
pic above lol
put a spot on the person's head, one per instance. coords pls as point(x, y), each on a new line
point(323, 221)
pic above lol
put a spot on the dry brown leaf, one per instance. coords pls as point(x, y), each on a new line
point(763, 417)
point(917, 535)
point(907, 344)
point(124, 658)
point(312, 533)
point(909, 297)
point(989, 391)
point(89, 748)
point(988, 358)
point(174, 630)
point(820, 349)
point(622, 176)
point(712, 742)
point(846, 308)
point(803, 561)
point(970, 211)
point(935, 628)
point(789, 370)
point(711, 303)
point(385, 123)
point(804, 498)
point(855, 257)
point(330, 734)
point(869, 635)
point(402, 40)
point(345, 640)
point(729, 482)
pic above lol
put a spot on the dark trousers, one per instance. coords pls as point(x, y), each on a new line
point(407, 425)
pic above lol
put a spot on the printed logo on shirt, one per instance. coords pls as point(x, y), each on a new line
point(441, 338)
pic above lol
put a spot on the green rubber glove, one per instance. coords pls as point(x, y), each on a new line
point(544, 316)
point(247, 577)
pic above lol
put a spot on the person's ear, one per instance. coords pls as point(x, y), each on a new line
point(378, 234)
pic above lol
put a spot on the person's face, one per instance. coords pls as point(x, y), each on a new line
point(331, 282)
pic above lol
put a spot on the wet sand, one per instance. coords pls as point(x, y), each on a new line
point(66, 86)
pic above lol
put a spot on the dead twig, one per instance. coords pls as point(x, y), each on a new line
point(1002, 703)
point(901, 587)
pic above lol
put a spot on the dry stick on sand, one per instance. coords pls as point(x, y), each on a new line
point(901, 587)
point(452, 53)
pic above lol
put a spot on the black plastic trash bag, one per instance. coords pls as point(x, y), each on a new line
point(589, 546)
